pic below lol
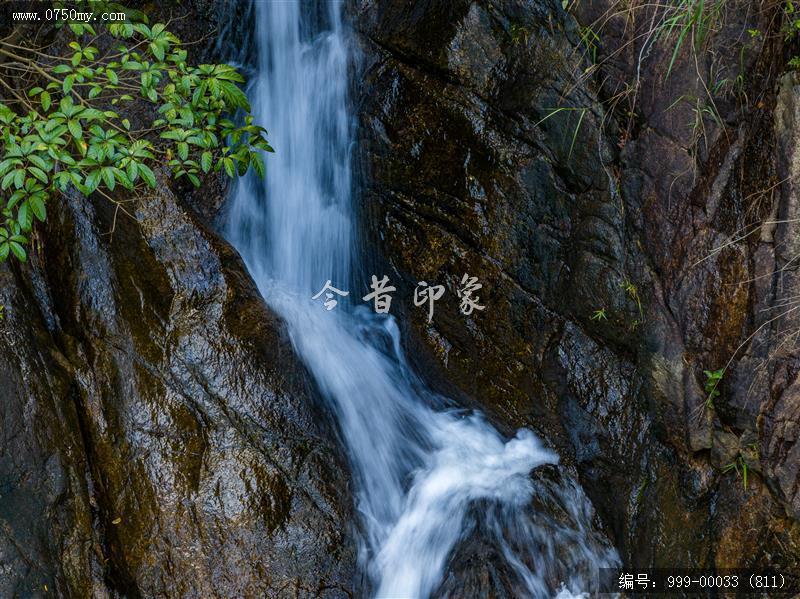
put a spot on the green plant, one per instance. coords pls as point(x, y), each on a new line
point(703, 108)
point(739, 465)
point(590, 40)
point(691, 20)
point(519, 34)
point(633, 293)
point(554, 111)
point(792, 23)
point(739, 82)
point(599, 314)
point(713, 379)
point(791, 29)
point(74, 129)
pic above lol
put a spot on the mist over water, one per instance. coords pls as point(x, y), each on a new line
point(422, 472)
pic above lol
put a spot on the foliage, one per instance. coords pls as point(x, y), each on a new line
point(519, 34)
point(75, 128)
point(739, 465)
point(713, 379)
point(590, 40)
point(690, 20)
point(792, 25)
point(633, 293)
point(792, 29)
point(599, 315)
point(554, 111)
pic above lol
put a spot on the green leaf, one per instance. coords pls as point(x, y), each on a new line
point(61, 69)
point(4, 247)
point(258, 163)
point(15, 197)
point(205, 161)
point(183, 150)
point(93, 114)
point(74, 126)
point(235, 96)
point(8, 180)
point(38, 207)
point(176, 134)
point(157, 50)
point(66, 86)
point(147, 175)
point(38, 173)
point(5, 165)
point(38, 161)
point(92, 180)
point(112, 76)
point(66, 158)
point(46, 101)
point(19, 178)
point(229, 168)
point(24, 216)
point(18, 250)
point(108, 177)
point(132, 170)
point(120, 176)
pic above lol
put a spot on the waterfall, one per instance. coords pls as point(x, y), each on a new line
point(422, 470)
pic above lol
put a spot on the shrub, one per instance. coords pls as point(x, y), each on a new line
point(74, 128)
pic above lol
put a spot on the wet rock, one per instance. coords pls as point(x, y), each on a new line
point(160, 437)
point(552, 546)
point(610, 248)
point(208, 471)
point(47, 542)
point(780, 417)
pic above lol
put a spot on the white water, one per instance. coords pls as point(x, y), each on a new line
point(423, 472)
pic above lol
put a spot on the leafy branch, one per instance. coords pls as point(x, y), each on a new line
point(74, 128)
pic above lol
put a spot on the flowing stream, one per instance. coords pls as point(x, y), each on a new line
point(425, 472)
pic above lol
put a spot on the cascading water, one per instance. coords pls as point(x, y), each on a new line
point(421, 469)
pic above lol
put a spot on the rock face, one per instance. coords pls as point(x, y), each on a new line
point(159, 438)
point(609, 237)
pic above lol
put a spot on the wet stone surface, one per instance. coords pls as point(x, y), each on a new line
point(160, 437)
point(561, 214)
